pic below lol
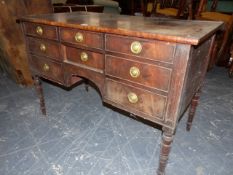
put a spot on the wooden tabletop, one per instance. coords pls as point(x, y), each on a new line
point(172, 30)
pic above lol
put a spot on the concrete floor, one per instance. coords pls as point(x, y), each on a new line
point(83, 137)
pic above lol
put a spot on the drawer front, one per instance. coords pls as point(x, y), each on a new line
point(144, 74)
point(149, 49)
point(40, 30)
point(47, 68)
point(88, 58)
point(44, 48)
point(82, 38)
point(134, 99)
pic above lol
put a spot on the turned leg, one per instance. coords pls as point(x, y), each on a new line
point(167, 139)
point(39, 91)
point(192, 110)
point(231, 63)
point(231, 70)
point(86, 85)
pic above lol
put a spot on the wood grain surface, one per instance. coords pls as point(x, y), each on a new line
point(191, 32)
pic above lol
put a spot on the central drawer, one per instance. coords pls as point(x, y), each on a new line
point(84, 57)
point(135, 100)
point(145, 74)
point(82, 38)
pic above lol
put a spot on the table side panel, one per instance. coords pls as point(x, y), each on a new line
point(176, 86)
point(196, 71)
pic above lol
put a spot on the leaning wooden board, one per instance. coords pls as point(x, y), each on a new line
point(13, 57)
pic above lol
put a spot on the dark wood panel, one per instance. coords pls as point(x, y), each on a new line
point(148, 74)
point(150, 49)
point(196, 70)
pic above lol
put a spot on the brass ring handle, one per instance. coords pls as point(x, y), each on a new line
point(84, 56)
point(79, 37)
point(132, 97)
point(134, 72)
point(46, 67)
point(39, 30)
point(136, 47)
point(42, 47)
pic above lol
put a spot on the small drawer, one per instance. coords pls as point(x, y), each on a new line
point(149, 49)
point(44, 48)
point(134, 99)
point(82, 38)
point(145, 74)
point(40, 30)
point(45, 67)
point(88, 58)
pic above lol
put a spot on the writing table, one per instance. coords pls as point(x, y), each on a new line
point(150, 67)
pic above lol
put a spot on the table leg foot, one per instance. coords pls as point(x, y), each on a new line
point(192, 110)
point(40, 93)
point(231, 63)
point(86, 85)
point(167, 139)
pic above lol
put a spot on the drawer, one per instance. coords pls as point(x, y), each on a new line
point(82, 38)
point(44, 48)
point(145, 74)
point(149, 49)
point(40, 30)
point(135, 100)
point(88, 58)
point(48, 68)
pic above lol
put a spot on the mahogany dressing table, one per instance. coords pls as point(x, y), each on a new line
point(150, 67)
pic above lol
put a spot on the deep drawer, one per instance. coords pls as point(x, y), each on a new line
point(44, 48)
point(47, 68)
point(149, 49)
point(82, 38)
point(40, 30)
point(88, 58)
point(145, 74)
point(135, 100)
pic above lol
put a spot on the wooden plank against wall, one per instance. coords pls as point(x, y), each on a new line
point(13, 57)
point(38, 6)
